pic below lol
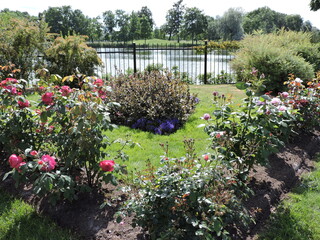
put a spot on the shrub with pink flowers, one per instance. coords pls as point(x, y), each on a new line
point(56, 143)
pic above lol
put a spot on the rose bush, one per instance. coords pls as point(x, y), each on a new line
point(58, 145)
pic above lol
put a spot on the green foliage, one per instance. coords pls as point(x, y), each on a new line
point(187, 198)
point(70, 55)
point(65, 21)
point(230, 25)
point(56, 147)
point(212, 45)
point(155, 96)
point(21, 41)
point(194, 24)
point(276, 56)
point(221, 78)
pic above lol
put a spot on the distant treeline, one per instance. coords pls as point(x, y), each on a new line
point(187, 23)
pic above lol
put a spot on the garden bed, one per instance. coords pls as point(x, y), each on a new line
point(270, 184)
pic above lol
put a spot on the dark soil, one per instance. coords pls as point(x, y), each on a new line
point(269, 183)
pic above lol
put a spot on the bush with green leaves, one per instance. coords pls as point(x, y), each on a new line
point(70, 55)
point(59, 146)
point(188, 198)
point(277, 55)
point(153, 102)
point(21, 41)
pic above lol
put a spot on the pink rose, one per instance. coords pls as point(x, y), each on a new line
point(65, 90)
point(282, 108)
point(206, 157)
point(19, 165)
point(12, 80)
point(23, 104)
point(284, 94)
point(107, 165)
point(48, 163)
point(206, 116)
point(98, 82)
point(33, 153)
point(15, 160)
point(47, 98)
point(275, 101)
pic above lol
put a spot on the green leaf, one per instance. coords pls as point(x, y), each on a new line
point(6, 175)
point(43, 117)
point(241, 85)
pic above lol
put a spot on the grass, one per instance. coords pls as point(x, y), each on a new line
point(150, 143)
point(298, 216)
point(19, 221)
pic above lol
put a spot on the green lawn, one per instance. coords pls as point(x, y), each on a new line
point(298, 217)
point(19, 221)
point(150, 143)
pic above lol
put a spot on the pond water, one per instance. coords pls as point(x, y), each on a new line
point(183, 60)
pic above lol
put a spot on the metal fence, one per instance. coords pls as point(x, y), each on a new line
point(208, 67)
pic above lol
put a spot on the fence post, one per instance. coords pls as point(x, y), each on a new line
point(205, 76)
point(134, 58)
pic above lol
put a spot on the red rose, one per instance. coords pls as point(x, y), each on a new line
point(107, 165)
point(15, 160)
point(206, 157)
point(47, 98)
point(23, 104)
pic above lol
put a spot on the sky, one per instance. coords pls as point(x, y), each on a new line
point(159, 8)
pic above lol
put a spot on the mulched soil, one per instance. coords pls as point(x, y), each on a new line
point(269, 183)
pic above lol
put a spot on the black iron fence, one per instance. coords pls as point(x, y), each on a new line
point(193, 67)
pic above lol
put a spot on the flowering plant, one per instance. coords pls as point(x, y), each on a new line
point(65, 140)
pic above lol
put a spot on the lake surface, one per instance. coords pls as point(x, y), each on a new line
point(183, 60)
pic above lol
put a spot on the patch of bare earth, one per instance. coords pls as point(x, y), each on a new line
point(269, 183)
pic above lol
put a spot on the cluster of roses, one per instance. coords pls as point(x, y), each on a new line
point(46, 163)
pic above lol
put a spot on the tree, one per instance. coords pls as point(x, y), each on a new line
point(294, 22)
point(146, 12)
point(195, 23)
point(65, 21)
point(146, 21)
point(122, 21)
point(263, 19)
point(146, 28)
point(135, 26)
point(213, 33)
point(109, 21)
point(174, 19)
point(315, 5)
point(230, 25)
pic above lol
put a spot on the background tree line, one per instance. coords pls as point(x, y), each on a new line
point(181, 23)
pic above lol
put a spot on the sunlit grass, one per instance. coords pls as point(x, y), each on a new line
point(298, 217)
point(150, 143)
point(19, 221)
